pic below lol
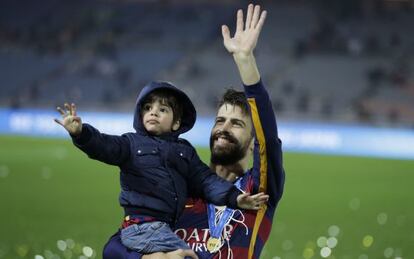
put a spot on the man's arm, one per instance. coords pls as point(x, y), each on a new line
point(267, 172)
point(267, 169)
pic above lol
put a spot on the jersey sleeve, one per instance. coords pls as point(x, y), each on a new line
point(267, 172)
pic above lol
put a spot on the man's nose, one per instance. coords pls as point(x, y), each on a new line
point(225, 126)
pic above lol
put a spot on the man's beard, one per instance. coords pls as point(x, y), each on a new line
point(228, 154)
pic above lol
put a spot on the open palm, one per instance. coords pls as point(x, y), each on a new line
point(245, 38)
point(70, 121)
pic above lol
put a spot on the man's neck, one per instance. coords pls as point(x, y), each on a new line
point(229, 172)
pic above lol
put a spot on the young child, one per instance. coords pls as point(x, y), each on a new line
point(158, 169)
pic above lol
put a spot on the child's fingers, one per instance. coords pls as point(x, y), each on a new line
point(243, 198)
point(60, 111)
point(263, 198)
point(67, 107)
point(59, 122)
point(77, 119)
point(257, 195)
point(73, 109)
point(245, 194)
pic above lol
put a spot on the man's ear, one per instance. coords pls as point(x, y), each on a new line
point(176, 125)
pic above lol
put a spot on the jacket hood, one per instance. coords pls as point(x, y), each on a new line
point(189, 113)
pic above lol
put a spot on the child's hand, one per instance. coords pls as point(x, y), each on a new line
point(71, 122)
point(253, 202)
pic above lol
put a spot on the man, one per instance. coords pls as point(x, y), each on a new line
point(219, 232)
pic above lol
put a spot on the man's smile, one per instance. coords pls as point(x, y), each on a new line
point(222, 141)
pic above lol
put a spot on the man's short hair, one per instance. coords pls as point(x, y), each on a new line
point(166, 97)
point(237, 98)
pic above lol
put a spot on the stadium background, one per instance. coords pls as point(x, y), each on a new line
point(339, 65)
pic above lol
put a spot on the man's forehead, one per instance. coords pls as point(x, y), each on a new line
point(232, 111)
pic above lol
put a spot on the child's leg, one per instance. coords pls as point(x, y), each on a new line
point(151, 237)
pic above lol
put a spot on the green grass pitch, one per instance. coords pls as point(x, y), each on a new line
point(57, 203)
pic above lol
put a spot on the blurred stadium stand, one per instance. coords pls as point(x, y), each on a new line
point(329, 61)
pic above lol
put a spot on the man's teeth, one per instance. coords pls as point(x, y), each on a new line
point(222, 140)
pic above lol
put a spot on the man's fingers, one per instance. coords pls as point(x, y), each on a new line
point(261, 21)
point(256, 15)
point(158, 255)
point(249, 16)
point(190, 253)
point(226, 32)
point(181, 253)
point(239, 25)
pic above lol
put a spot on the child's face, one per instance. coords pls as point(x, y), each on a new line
point(158, 118)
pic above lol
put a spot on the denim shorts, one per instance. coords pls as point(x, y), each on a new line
point(151, 237)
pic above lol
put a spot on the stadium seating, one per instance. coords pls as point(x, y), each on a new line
point(318, 64)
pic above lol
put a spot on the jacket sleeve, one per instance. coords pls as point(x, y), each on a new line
point(267, 172)
point(206, 184)
point(113, 150)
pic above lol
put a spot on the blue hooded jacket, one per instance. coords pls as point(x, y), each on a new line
point(158, 173)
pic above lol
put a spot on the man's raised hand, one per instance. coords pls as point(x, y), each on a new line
point(71, 122)
point(247, 32)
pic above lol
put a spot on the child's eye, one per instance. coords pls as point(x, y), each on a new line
point(164, 109)
point(147, 107)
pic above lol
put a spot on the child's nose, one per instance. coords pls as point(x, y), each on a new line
point(154, 111)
